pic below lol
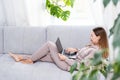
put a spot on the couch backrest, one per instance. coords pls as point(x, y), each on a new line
point(29, 39)
point(23, 39)
point(1, 40)
point(70, 36)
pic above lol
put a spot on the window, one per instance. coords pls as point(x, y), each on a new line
point(81, 14)
point(84, 12)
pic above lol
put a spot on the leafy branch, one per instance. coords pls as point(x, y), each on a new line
point(56, 10)
point(98, 65)
point(115, 31)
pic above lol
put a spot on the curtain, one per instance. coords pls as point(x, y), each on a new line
point(13, 12)
point(97, 12)
point(23, 13)
point(2, 14)
point(33, 13)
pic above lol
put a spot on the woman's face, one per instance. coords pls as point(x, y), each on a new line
point(94, 39)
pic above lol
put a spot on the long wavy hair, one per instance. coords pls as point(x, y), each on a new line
point(103, 42)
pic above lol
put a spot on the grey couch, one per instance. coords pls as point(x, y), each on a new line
point(26, 40)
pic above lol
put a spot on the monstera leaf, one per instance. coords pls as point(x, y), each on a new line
point(56, 10)
point(65, 15)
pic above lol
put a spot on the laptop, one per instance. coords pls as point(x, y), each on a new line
point(59, 46)
point(62, 51)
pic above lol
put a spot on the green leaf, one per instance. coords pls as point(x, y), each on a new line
point(76, 76)
point(84, 77)
point(56, 11)
point(72, 3)
point(73, 67)
point(109, 68)
point(93, 75)
point(105, 69)
point(118, 57)
point(65, 15)
point(48, 4)
point(115, 76)
point(115, 2)
point(104, 73)
point(112, 30)
point(115, 31)
point(116, 44)
point(97, 58)
point(82, 67)
point(116, 67)
point(69, 2)
point(106, 2)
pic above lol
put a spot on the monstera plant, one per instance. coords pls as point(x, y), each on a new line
point(98, 64)
point(57, 8)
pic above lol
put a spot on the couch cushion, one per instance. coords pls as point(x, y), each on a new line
point(70, 36)
point(34, 38)
point(11, 70)
point(1, 40)
point(23, 39)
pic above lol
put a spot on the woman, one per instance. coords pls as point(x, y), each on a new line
point(49, 52)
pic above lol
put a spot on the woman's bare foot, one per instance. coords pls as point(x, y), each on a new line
point(27, 61)
point(15, 56)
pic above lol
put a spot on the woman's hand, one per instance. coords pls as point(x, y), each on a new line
point(71, 50)
point(62, 57)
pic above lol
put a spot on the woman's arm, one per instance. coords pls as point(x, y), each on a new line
point(66, 59)
point(70, 61)
point(71, 50)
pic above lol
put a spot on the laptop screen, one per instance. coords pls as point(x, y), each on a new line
point(59, 46)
